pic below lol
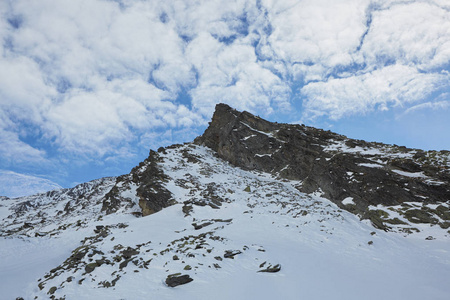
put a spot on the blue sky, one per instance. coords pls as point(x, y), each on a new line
point(88, 87)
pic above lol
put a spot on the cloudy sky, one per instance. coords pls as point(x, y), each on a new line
point(88, 86)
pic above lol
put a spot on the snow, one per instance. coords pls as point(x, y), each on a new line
point(130, 193)
point(409, 174)
point(369, 165)
point(284, 168)
point(22, 261)
point(269, 134)
point(433, 182)
point(5, 204)
point(348, 200)
point(324, 252)
point(382, 151)
point(248, 137)
point(339, 146)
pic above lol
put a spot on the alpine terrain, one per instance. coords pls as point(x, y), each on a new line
point(249, 210)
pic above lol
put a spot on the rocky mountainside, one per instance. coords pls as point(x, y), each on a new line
point(250, 209)
point(354, 174)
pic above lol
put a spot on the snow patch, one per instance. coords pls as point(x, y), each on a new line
point(248, 137)
point(262, 155)
point(348, 200)
point(369, 165)
point(409, 174)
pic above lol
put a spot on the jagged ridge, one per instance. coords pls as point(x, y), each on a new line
point(366, 174)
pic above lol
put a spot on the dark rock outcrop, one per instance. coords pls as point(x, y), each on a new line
point(231, 253)
point(270, 269)
point(329, 163)
point(129, 252)
point(151, 192)
point(177, 279)
point(153, 196)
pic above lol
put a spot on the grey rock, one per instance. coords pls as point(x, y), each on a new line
point(270, 268)
point(231, 253)
point(90, 267)
point(129, 252)
point(176, 280)
point(153, 196)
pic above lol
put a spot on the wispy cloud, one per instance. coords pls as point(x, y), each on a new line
point(18, 185)
point(440, 105)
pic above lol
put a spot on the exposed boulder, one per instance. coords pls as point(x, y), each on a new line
point(90, 267)
point(269, 268)
point(129, 252)
point(177, 279)
point(231, 253)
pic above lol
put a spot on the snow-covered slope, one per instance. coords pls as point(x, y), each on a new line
point(50, 213)
point(238, 234)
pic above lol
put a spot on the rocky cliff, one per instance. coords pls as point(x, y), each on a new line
point(354, 174)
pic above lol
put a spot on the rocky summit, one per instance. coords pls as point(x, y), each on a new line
point(354, 174)
point(249, 210)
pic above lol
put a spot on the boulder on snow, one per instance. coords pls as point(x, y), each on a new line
point(177, 279)
point(231, 253)
point(90, 267)
point(270, 268)
point(129, 252)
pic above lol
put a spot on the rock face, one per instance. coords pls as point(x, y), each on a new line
point(354, 174)
point(148, 179)
point(153, 196)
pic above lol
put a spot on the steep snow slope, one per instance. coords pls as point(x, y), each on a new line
point(227, 224)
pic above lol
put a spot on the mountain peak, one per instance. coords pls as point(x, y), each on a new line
point(336, 166)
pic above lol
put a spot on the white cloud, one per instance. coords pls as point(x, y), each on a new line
point(99, 58)
point(394, 85)
point(18, 185)
point(404, 55)
point(91, 122)
point(15, 151)
point(313, 37)
point(413, 33)
point(232, 75)
point(88, 122)
point(78, 40)
point(23, 91)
